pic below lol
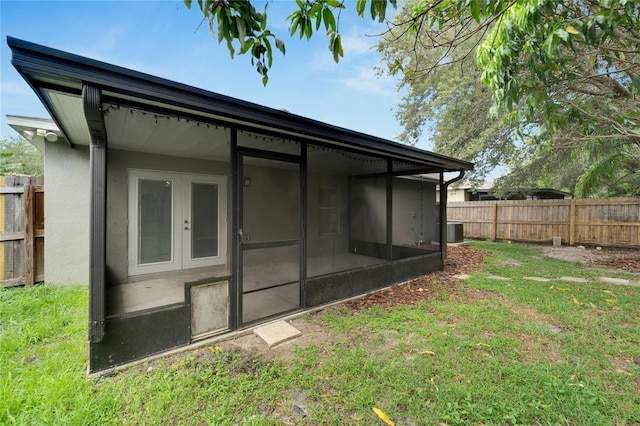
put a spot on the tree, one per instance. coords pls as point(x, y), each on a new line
point(450, 98)
point(451, 101)
point(566, 73)
point(19, 157)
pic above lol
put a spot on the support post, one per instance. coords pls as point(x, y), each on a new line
point(572, 222)
point(303, 225)
point(92, 104)
point(494, 223)
point(235, 293)
point(29, 223)
point(389, 185)
point(443, 217)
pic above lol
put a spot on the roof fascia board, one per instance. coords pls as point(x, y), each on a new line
point(33, 58)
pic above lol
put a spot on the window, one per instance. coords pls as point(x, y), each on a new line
point(176, 221)
point(329, 210)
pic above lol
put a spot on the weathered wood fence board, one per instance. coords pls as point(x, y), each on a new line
point(601, 221)
point(22, 230)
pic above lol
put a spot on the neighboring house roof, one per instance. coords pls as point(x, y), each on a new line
point(57, 77)
point(35, 130)
point(487, 188)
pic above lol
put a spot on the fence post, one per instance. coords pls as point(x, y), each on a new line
point(29, 223)
point(572, 222)
point(494, 224)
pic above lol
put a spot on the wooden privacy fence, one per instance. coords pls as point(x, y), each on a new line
point(594, 221)
point(21, 230)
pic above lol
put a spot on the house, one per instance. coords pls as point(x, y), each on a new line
point(192, 214)
point(484, 192)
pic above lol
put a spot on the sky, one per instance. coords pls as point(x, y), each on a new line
point(162, 38)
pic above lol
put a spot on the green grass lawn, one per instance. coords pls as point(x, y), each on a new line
point(490, 352)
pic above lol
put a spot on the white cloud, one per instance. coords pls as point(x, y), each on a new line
point(358, 44)
point(365, 80)
point(15, 88)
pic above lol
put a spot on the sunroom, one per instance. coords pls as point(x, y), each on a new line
point(209, 214)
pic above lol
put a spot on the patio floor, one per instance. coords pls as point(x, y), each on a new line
point(167, 290)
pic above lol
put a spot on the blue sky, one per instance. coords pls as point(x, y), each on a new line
point(160, 38)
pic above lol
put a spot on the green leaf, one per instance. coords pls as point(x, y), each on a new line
point(336, 47)
point(360, 6)
point(295, 22)
point(308, 29)
point(329, 19)
point(269, 52)
point(247, 45)
point(188, 3)
point(265, 79)
point(242, 32)
point(562, 34)
point(474, 6)
point(315, 8)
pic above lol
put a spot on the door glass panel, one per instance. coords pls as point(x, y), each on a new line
point(204, 220)
point(271, 238)
point(155, 220)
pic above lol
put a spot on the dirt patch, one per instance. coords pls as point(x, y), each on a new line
point(626, 260)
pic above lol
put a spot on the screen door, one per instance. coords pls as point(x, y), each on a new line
point(269, 233)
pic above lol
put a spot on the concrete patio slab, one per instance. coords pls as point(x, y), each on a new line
point(539, 279)
point(277, 332)
point(574, 279)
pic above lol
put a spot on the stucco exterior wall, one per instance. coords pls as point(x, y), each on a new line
point(328, 243)
point(414, 211)
point(118, 164)
point(369, 210)
point(66, 207)
point(454, 195)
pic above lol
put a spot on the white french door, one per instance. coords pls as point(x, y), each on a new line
point(176, 221)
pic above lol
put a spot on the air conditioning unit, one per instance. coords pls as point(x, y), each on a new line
point(455, 232)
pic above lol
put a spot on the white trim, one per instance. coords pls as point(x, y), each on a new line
point(221, 181)
point(181, 209)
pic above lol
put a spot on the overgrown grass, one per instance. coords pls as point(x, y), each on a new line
point(492, 352)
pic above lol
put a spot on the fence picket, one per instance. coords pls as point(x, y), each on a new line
point(606, 221)
point(21, 230)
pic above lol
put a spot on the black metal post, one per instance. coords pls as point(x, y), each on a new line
point(92, 106)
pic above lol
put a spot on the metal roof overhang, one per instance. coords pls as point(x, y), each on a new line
point(46, 68)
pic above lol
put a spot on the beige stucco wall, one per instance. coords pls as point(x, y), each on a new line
point(454, 195)
point(414, 211)
point(118, 164)
point(66, 207)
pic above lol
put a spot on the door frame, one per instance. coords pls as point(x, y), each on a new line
point(238, 211)
point(187, 180)
point(180, 206)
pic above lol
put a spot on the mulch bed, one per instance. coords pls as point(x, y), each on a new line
point(624, 262)
point(460, 260)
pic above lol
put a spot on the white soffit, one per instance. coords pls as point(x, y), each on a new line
point(131, 129)
point(70, 114)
